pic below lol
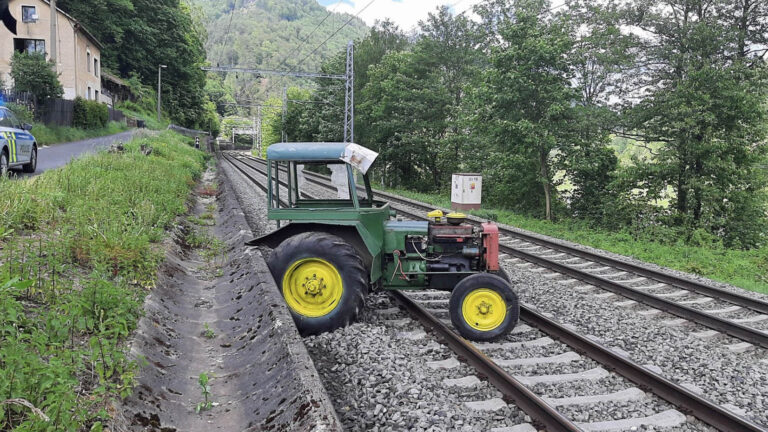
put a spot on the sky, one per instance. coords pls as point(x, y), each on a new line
point(405, 13)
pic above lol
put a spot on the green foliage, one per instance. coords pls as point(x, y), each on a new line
point(47, 135)
point(208, 332)
point(149, 117)
point(265, 34)
point(709, 112)
point(84, 245)
point(22, 112)
point(89, 114)
point(525, 103)
point(32, 73)
point(205, 389)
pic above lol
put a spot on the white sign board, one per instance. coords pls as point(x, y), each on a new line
point(467, 189)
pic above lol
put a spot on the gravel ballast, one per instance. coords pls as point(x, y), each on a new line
point(736, 379)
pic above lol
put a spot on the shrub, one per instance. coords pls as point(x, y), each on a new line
point(90, 114)
point(32, 73)
point(22, 112)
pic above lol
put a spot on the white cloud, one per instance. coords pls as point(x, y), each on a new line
point(405, 13)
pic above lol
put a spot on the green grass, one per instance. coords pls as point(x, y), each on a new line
point(745, 269)
point(47, 135)
point(79, 247)
point(150, 117)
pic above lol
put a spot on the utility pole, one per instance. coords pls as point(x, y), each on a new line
point(159, 81)
point(258, 131)
point(253, 137)
point(285, 112)
point(349, 96)
point(54, 33)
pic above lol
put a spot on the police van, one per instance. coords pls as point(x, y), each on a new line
point(18, 147)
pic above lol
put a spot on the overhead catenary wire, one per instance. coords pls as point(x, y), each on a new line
point(295, 68)
point(304, 42)
point(229, 29)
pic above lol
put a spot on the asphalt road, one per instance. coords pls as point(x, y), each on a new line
point(58, 155)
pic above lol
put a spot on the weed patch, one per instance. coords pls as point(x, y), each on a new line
point(78, 247)
point(46, 135)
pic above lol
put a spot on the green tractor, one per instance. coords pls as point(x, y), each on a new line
point(333, 251)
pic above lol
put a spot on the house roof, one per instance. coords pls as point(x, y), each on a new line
point(109, 77)
point(79, 26)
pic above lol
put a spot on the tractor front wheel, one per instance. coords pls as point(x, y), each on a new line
point(483, 307)
point(321, 278)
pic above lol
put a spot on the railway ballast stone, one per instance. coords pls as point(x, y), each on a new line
point(261, 376)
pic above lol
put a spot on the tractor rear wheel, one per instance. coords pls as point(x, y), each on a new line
point(321, 278)
point(483, 307)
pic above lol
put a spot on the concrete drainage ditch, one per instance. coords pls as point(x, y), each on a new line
point(225, 320)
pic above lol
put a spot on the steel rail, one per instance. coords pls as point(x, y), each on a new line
point(536, 407)
point(742, 300)
point(731, 328)
point(737, 330)
point(675, 281)
point(686, 400)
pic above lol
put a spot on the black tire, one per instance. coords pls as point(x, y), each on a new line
point(502, 274)
point(347, 263)
point(32, 165)
point(4, 166)
point(485, 281)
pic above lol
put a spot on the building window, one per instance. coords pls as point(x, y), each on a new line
point(96, 67)
point(89, 93)
point(97, 96)
point(29, 14)
point(29, 45)
point(88, 61)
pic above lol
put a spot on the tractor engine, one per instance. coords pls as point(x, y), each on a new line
point(457, 249)
point(439, 253)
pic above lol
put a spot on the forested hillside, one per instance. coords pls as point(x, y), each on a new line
point(138, 36)
point(270, 34)
point(532, 95)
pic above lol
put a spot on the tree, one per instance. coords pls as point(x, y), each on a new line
point(706, 103)
point(525, 103)
point(32, 73)
point(600, 56)
point(448, 47)
point(406, 109)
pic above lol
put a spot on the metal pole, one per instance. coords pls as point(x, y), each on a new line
point(54, 34)
point(159, 80)
point(349, 97)
point(285, 112)
point(258, 131)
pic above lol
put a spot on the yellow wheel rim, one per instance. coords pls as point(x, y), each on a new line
point(484, 309)
point(312, 287)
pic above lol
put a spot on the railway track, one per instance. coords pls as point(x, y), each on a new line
point(688, 299)
point(576, 363)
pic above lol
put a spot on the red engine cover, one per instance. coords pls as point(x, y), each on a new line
point(491, 244)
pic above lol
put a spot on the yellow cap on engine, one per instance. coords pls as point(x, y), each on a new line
point(435, 215)
point(456, 218)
